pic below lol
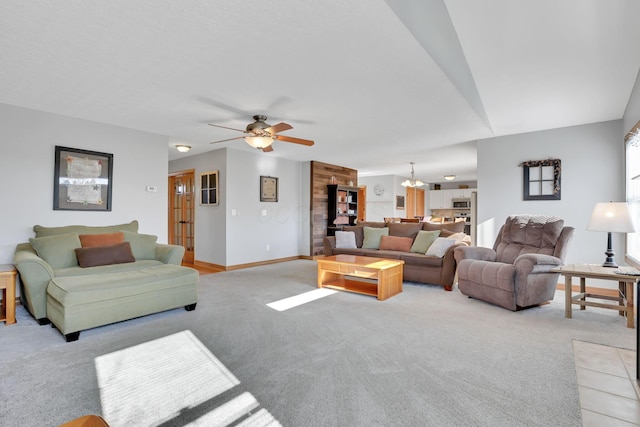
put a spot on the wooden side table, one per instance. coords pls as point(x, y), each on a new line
point(8, 285)
point(596, 271)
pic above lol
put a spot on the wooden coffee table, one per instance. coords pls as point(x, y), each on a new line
point(340, 272)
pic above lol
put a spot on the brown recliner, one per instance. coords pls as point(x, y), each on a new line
point(517, 272)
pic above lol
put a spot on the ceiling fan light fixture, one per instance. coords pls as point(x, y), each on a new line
point(259, 141)
point(449, 177)
point(183, 148)
point(412, 182)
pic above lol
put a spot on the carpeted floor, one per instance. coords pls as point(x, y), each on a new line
point(425, 357)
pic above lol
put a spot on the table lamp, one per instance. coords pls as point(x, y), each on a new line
point(612, 218)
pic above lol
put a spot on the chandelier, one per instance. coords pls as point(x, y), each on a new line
point(412, 182)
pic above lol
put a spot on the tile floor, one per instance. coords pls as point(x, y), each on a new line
point(607, 386)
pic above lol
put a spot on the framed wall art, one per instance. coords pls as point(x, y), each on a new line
point(400, 203)
point(541, 179)
point(82, 180)
point(268, 189)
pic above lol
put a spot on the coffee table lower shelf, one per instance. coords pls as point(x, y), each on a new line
point(351, 285)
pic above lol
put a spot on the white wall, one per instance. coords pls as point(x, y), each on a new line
point(632, 112)
point(27, 150)
point(210, 220)
point(384, 206)
point(226, 239)
point(592, 171)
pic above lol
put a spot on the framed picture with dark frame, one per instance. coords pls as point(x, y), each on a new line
point(400, 203)
point(82, 180)
point(268, 189)
point(541, 179)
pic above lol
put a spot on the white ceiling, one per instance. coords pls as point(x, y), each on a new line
point(376, 84)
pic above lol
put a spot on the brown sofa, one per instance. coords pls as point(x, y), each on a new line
point(418, 267)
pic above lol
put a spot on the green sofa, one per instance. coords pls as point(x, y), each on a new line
point(56, 289)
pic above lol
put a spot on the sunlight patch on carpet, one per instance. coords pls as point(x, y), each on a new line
point(154, 382)
point(287, 303)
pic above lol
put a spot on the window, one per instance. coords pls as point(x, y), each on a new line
point(633, 192)
point(209, 188)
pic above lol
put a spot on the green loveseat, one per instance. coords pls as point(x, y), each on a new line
point(56, 289)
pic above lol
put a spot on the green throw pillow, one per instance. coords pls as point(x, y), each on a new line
point(58, 251)
point(143, 246)
point(423, 240)
point(372, 236)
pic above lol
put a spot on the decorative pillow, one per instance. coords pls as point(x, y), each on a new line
point(143, 246)
point(58, 251)
point(357, 229)
point(440, 246)
point(345, 240)
point(105, 255)
point(107, 239)
point(372, 237)
point(424, 240)
point(395, 243)
point(460, 237)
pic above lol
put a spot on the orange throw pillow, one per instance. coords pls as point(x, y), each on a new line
point(395, 243)
point(107, 239)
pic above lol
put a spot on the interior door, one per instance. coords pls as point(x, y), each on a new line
point(181, 212)
point(415, 202)
point(362, 203)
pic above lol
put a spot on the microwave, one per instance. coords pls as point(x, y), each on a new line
point(461, 203)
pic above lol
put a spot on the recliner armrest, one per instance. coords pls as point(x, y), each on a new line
point(474, 252)
point(536, 263)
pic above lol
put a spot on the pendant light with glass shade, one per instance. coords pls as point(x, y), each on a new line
point(412, 182)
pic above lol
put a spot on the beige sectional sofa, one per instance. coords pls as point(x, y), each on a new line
point(77, 287)
point(438, 269)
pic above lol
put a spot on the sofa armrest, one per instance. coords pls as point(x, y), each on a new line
point(169, 254)
point(35, 275)
point(329, 245)
point(474, 252)
point(448, 272)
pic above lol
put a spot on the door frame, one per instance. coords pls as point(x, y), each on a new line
point(170, 205)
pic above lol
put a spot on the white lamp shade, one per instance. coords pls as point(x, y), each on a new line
point(612, 217)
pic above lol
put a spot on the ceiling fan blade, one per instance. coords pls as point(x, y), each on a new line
point(229, 139)
point(280, 127)
point(267, 149)
point(301, 141)
point(225, 127)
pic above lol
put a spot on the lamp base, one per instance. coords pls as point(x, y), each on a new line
point(609, 262)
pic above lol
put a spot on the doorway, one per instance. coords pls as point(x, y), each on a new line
point(182, 212)
point(415, 203)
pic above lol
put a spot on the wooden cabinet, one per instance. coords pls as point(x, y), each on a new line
point(342, 207)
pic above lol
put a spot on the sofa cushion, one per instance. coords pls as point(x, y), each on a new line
point(84, 229)
point(440, 246)
point(404, 229)
point(359, 232)
point(395, 243)
point(452, 227)
point(424, 240)
point(104, 239)
point(345, 239)
point(57, 250)
point(105, 255)
point(143, 246)
point(422, 260)
point(375, 253)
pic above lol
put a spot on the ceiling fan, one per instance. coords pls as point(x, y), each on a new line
point(261, 135)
